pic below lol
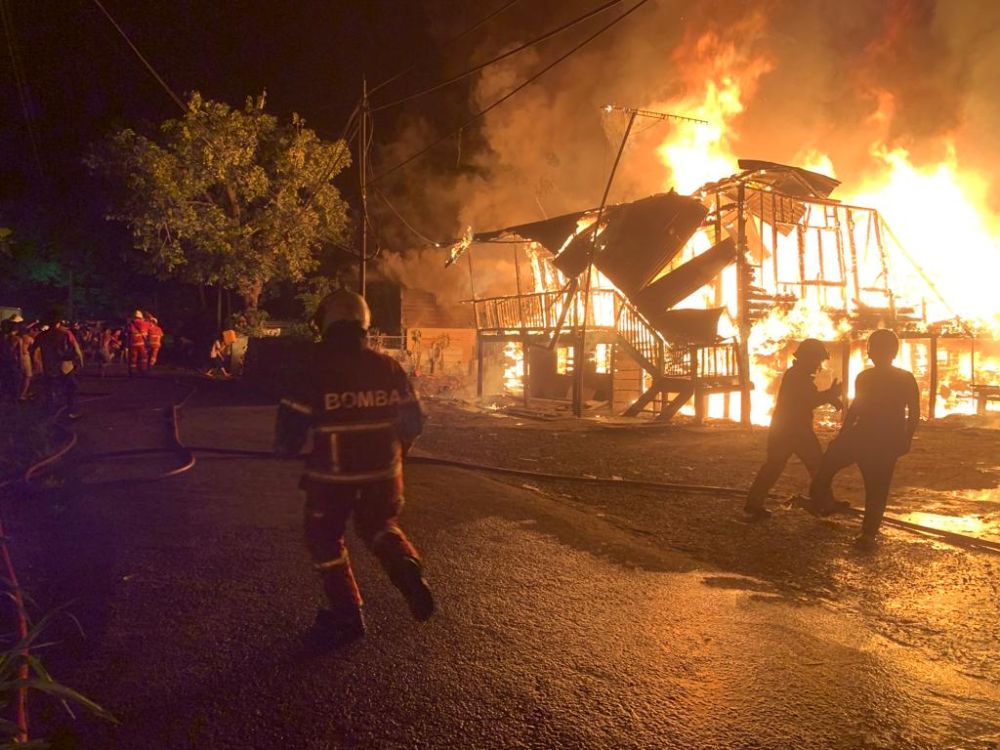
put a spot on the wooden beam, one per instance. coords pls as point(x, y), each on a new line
point(932, 404)
point(640, 403)
point(674, 405)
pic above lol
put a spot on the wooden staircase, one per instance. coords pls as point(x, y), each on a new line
point(670, 366)
point(678, 373)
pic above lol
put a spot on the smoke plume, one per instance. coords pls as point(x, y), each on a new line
point(812, 76)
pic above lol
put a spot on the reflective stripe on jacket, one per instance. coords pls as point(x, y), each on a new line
point(357, 407)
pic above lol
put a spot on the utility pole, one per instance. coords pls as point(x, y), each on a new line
point(363, 163)
point(70, 312)
point(743, 303)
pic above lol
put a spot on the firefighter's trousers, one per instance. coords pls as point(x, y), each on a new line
point(376, 507)
point(138, 358)
point(780, 448)
point(876, 464)
point(154, 354)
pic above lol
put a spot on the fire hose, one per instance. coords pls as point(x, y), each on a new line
point(962, 540)
point(187, 454)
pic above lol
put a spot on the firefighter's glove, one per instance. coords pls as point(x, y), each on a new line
point(832, 395)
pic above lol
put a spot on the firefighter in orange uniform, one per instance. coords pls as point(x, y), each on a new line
point(154, 337)
point(136, 330)
point(363, 415)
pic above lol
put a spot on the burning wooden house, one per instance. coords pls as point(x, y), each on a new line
point(691, 301)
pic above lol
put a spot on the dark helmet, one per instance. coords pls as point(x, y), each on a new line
point(343, 306)
point(883, 344)
point(811, 349)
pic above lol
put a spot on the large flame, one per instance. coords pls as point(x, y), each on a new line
point(943, 238)
point(940, 215)
point(718, 76)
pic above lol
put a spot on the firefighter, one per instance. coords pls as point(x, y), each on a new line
point(877, 430)
point(154, 338)
point(363, 415)
point(136, 330)
point(791, 429)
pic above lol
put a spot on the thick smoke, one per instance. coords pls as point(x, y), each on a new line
point(837, 78)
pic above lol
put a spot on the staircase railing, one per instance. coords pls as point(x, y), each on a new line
point(635, 330)
point(539, 312)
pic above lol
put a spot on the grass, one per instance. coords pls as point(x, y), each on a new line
point(25, 437)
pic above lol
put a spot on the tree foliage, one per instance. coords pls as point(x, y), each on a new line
point(228, 196)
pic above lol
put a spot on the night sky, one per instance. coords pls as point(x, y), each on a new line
point(815, 76)
point(84, 81)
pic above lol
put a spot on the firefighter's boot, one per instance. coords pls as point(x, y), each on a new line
point(407, 575)
point(334, 630)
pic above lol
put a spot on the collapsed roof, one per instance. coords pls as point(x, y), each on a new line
point(638, 242)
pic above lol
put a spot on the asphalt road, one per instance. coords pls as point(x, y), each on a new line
point(557, 627)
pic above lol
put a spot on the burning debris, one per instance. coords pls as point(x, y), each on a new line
point(693, 300)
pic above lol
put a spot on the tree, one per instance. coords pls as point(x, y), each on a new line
point(226, 196)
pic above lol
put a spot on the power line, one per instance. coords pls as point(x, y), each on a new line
point(407, 224)
point(510, 93)
point(149, 67)
point(504, 56)
point(20, 81)
point(481, 22)
point(346, 135)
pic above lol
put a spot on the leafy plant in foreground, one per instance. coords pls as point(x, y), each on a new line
point(20, 669)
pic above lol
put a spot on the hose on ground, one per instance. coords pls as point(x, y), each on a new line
point(961, 540)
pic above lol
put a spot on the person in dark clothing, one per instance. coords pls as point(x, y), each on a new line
point(791, 430)
point(363, 415)
point(878, 430)
point(61, 359)
point(10, 359)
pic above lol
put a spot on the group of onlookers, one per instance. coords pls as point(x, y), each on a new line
point(50, 353)
point(45, 351)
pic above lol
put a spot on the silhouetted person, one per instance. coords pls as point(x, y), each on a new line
point(791, 430)
point(61, 359)
point(878, 430)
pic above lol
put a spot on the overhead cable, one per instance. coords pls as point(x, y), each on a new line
point(149, 67)
point(20, 81)
point(482, 21)
point(510, 93)
point(345, 135)
point(504, 56)
point(407, 224)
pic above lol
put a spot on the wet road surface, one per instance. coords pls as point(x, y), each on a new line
point(559, 627)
